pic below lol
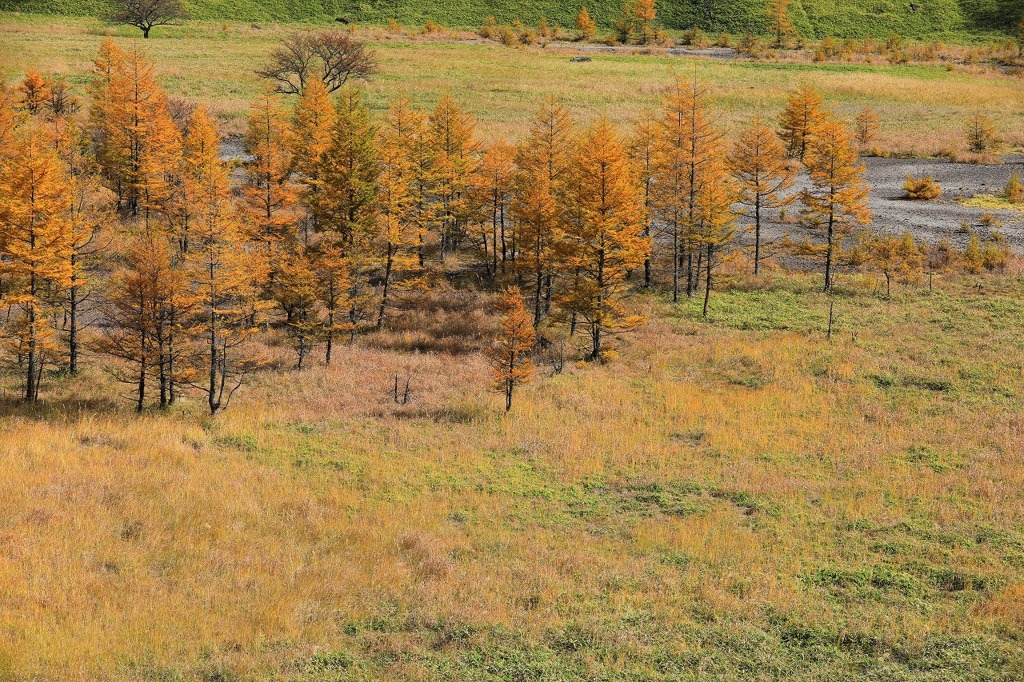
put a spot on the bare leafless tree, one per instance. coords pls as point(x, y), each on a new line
point(145, 14)
point(332, 56)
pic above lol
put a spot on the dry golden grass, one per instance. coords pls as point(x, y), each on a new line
point(743, 475)
point(922, 108)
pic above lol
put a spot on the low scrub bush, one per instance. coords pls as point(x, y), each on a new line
point(1015, 189)
point(921, 189)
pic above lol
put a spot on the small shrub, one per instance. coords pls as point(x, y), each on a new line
point(995, 253)
point(942, 256)
point(394, 26)
point(507, 36)
point(992, 254)
point(828, 48)
point(489, 30)
point(694, 37)
point(866, 127)
point(660, 37)
point(981, 133)
point(524, 35)
point(750, 45)
point(724, 39)
point(1015, 189)
point(921, 189)
point(972, 257)
point(990, 221)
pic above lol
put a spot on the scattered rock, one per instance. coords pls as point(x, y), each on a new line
point(257, 27)
point(342, 20)
point(580, 59)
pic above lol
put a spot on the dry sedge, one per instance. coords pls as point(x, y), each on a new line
point(487, 379)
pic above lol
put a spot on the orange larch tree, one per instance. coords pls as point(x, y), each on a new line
point(645, 14)
point(802, 114)
point(312, 126)
point(758, 162)
point(88, 239)
point(348, 170)
point(89, 219)
point(509, 357)
point(686, 143)
point(35, 92)
point(602, 238)
point(413, 134)
point(296, 288)
point(270, 196)
point(139, 303)
point(585, 25)
point(838, 197)
point(35, 201)
point(779, 22)
point(456, 149)
point(226, 272)
point(642, 147)
point(346, 205)
point(716, 217)
point(138, 145)
point(395, 235)
point(537, 219)
point(542, 162)
point(334, 280)
point(200, 160)
point(492, 191)
point(866, 127)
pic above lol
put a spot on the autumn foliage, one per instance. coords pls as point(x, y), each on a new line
point(802, 114)
point(836, 202)
point(124, 230)
point(510, 356)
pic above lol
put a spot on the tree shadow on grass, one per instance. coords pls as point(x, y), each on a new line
point(58, 408)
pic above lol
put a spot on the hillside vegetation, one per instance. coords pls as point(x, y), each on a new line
point(729, 496)
point(921, 107)
point(814, 18)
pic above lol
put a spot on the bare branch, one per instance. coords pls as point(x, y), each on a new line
point(332, 56)
point(145, 14)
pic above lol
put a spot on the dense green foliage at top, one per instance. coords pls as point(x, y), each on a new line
point(814, 18)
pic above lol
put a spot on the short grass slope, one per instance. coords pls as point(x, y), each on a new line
point(728, 499)
point(814, 18)
point(922, 108)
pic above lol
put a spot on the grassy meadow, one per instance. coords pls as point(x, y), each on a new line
point(922, 108)
point(734, 499)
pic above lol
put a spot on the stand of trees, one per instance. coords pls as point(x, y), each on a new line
point(122, 231)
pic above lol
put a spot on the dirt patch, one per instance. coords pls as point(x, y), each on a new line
point(929, 220)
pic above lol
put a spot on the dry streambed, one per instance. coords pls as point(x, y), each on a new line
point(945, 216)
point(934, 220)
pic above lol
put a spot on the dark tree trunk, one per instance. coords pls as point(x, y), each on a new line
point(31, 383)
point(828, 253)
point(707, 281)
point(757, 235)
point(387, 285)
point(73, 322)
